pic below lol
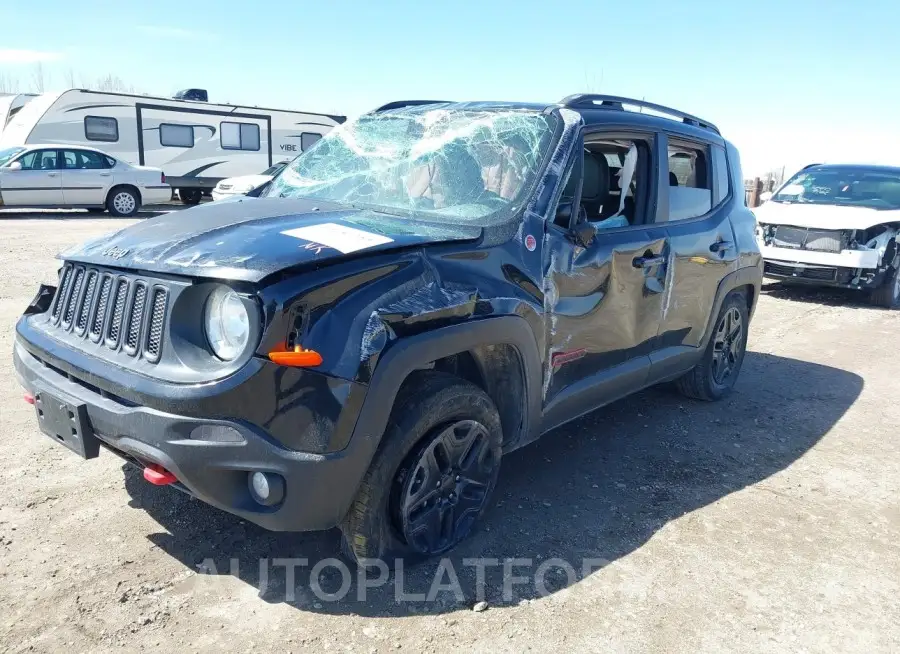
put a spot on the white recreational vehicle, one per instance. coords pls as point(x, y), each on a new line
point(195, 143)
point(10, 104)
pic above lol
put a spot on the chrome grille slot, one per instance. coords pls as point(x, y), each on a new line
point(85, 309)
point(135, 318)
point(157, 320)
point(115, 321)
point(72, 298)
point(100, 312)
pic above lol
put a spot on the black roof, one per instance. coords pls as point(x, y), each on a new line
point(595, 109)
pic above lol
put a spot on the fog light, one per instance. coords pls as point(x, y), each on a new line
point(267, 488)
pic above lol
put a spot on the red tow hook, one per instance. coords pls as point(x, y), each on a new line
point(28, 397)
point(158, 476)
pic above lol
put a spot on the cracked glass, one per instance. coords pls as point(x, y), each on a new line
point(458, 165)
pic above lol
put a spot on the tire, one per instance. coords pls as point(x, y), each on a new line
point(888, 294)
point(390, 516)
point(714, 377)
point(123, 201)
point(190, 196)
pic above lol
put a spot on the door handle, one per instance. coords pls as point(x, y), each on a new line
point(51, 174)
point(720, 246)
point(648, 260)
point(104, 174)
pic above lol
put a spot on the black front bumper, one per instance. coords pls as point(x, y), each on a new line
point(319, 488)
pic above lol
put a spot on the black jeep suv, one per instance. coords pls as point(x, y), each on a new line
point(426, 289)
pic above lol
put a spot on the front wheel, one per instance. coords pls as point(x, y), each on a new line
point(715, 375)
point(888, 294)
point(190, 196)
point(433, 475)
point(123, 202)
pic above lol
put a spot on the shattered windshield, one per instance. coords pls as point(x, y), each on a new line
point(872, 187)
point(452, 164)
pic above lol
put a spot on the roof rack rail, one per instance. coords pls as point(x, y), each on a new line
point(399, 104)
point(616, 102)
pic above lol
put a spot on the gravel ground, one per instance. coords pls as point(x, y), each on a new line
point(767, 522)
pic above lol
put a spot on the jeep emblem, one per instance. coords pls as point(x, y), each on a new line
point(114, 252)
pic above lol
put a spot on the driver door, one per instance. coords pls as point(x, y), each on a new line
point(38, 183)
point(604, 295)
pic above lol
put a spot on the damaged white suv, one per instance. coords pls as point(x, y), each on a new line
point(835, 225)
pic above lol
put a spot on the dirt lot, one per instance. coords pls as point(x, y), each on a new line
point(769, 522)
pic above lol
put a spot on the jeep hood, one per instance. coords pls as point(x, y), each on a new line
point(251, 238)
point(824, 216)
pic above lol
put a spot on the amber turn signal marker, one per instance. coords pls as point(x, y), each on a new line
point(297, 357)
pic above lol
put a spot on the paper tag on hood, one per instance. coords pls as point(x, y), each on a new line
point(340, 237)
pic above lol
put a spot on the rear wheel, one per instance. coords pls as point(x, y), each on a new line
point(190, 196)
point(715, 375)
point(888, 294)
point(123, 201)
point(433, 475)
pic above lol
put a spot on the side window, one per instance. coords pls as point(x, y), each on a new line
point(616, 175)
point(720, 167)
point(82, 160)
point(690, 190)
point(39, 160)
point(308, 139)
point(239, 136)
point(108, 162)
point(99, 128)
point(176, 136)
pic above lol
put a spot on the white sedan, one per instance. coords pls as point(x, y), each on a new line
point(75, 176)
point(246, 183)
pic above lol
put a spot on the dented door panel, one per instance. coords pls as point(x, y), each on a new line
point(703, 253)
point(602, 306)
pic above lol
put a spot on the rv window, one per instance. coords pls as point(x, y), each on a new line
point(176, 136)
point(239, 136)
point(97, 128)
point(308, 139)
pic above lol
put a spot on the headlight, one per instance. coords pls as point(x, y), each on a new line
point(227, 323)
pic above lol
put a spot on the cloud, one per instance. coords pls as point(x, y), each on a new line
point(175, 33)
point(27, 56)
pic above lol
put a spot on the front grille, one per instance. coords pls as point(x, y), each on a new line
point(818, 273)
point(113, 308)
point(800, 238)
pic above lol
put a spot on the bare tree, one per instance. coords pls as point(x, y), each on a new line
point(8, 84)
point(70, 79)
point(37, 78)
point(112, 84)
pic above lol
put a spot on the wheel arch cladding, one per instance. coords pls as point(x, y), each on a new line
point(503, 349)
point(499, 371)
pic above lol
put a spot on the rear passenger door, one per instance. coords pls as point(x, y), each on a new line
point(702, 243)
point(86, 177)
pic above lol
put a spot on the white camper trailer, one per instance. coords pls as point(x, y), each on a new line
point(10, 104)
point(196, 143)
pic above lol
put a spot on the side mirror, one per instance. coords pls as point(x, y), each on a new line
point(765, 197)
point(583, 233)
point(563, 214)
point(15, 165)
